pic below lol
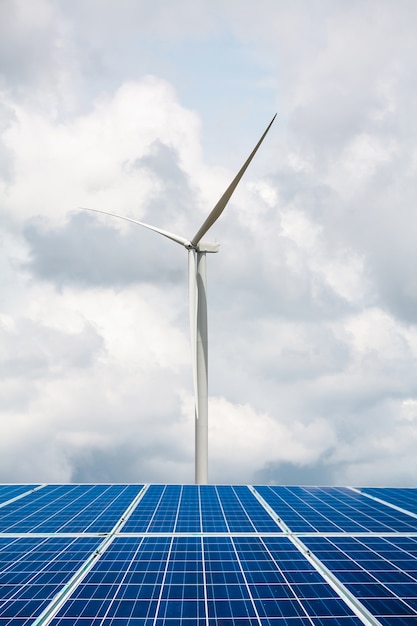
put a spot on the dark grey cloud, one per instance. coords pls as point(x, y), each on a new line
point(108, 421)
point(89, 253)
point(174, 199)
point(377, 224)
point(128, 462)
point(32, 350)
point(319, 473)
point(327, 472)
point(253, 276)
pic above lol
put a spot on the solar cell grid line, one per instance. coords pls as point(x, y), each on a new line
point(100, 511)
point(166, 515)
point(189, 510)
point(212, 516)
point(237, 519)
point(324, 517)
point(276, 559)
point(75, 508)
point(203, 568)
point(404, 500)
point(33, 569)
point(10, 493)
point(183, 595)
point(166, 586)
point(374, 516)
point(122, 586)
point(201, 519)
point(228, 596)
point(28, 514)
point(200, 510)
point(334, 509)
point(20, 515)
point(255, 512)
point(359, 609)
point(255, 607)
point(163, 604)
point(61, 597)
point(89, 600)
point(223, 515)
point(324, 510)
point(144, 514)
point(163, 584)
point(367, 567)
point(167, 511)
point(283, 509)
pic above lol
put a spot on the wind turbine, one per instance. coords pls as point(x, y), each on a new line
point(197, 282)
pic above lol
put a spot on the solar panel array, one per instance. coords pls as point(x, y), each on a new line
point(153, 555)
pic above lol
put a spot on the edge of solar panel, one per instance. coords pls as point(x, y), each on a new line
point(142, 554)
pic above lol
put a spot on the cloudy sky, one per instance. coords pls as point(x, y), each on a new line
point(148, 108)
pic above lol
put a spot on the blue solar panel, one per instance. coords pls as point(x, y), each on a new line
point(188, 579)
point(8, 492)
point(333, 509)
point(205, 508)
point(68, 508)
point(34, 569)
point(247, 517)
point(189, 512)
point(380, 571)
point(404, 498)
point(206, 555)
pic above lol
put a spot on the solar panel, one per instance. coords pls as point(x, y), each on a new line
point(202, 508)
point(34, 569)
point(145, 555)
point(68, 508)
point(380, 571)
point(403, 498)
point(334, 509)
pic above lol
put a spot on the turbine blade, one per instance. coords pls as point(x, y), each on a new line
point(184, 242)
point(193, 300)
point(220, 206)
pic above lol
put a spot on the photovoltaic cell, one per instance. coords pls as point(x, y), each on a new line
point(258, 517)
point(289, 595)
point(190, 510)
point(381, 572)
point(186, 580)
point(143, 515)
point(404, 498)
point(68, 508)
point(32, 570)
point(7, 492)
point(213, 519)
point(204, 508)
point(334, 509)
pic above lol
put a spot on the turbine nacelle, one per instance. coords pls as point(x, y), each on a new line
point(207, 246)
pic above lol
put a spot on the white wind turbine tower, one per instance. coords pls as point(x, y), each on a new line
point(197, 250)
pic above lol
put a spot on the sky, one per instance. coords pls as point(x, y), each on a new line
point(148, 108)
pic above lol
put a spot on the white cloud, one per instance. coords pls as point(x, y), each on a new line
point(358, 164)
point(242, 440)
point(91, 160)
